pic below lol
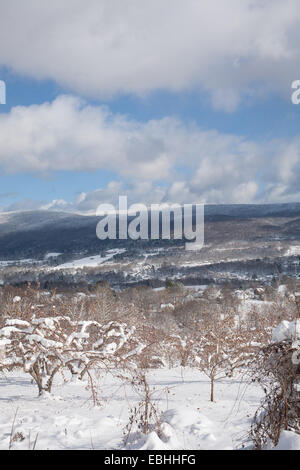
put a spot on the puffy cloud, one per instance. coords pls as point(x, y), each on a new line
point(147, 158)
point(24, 205)
point(101, 48)
point(68, 134)
point(143, 192)
point(225, 99)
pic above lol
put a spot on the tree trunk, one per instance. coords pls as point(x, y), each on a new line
point(212, 389)
point(45, 389)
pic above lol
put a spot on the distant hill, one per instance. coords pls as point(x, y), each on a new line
point(32, 234)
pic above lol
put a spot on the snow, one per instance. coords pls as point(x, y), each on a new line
point(293, 251)
point(71, 421)
point(17, 322)
point(21, 262)
point(52, 255)
point(152, 442)
point(201, 287)
point(91, 261)
point(259, 306)
point(282, 290)
point(286, 331)
point(167, 306)
point(288, 441)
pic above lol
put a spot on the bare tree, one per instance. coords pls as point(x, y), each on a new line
point(279, 376)
point(219, 348)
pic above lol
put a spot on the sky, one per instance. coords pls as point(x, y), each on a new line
point(162, 101)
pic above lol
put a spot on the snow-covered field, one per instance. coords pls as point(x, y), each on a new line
point(91, 261)
point(69, 420)
point(5, 264)
point(294, 250)
point(87, 262)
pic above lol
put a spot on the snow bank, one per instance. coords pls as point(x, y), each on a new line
point(286, 331)
point(288, 441)
point(153, 442)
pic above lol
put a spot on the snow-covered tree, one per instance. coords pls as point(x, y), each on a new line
point(43, 346)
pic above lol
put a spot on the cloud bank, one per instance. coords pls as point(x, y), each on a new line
point(147, 158)
point(99, 48)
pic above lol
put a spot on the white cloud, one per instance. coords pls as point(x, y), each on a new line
point(146, 158)
point(70, 135)
point(225, 99)
point(67, 134)
point(100, 47)
point(245, 192)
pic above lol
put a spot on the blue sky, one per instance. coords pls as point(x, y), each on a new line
point(176, 120)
